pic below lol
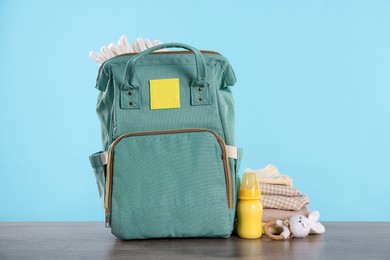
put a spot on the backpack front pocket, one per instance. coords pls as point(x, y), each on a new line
point(169, 183)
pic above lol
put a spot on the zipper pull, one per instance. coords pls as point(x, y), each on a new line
point(108, 218)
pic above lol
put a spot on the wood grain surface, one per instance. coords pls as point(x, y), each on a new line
point(91, 240)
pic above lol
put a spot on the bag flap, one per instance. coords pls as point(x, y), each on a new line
point(103, 78)
point(229, 75)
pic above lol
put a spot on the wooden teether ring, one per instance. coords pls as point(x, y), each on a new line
point(269, 234)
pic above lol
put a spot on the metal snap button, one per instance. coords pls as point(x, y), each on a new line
point(130, 103)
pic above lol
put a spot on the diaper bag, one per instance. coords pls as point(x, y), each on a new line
point(169, 162)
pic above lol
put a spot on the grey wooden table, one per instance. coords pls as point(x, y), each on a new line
point(91, 240)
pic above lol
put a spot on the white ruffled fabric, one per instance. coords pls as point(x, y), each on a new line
point(123, 46)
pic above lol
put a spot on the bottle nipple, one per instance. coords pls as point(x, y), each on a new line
point(249, 188)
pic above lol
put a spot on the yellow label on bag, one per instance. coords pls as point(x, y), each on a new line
point(164, 93)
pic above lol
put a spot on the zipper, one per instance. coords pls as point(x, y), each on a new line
point(229, 192)
point(160, 52)
point(167, 52)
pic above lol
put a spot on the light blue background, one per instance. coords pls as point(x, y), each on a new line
point(312, 96)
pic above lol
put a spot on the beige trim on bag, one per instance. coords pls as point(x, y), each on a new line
point(232, 151)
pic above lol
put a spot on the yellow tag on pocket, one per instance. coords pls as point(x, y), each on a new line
point(164, 93)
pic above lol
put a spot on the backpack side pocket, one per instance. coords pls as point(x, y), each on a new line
point(99, 168)
point(235, 163)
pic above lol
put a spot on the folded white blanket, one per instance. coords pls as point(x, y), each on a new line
point(270, 174)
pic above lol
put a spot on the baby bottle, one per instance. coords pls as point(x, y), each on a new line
point(249, 208)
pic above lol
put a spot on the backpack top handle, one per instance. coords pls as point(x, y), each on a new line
point(200, 80)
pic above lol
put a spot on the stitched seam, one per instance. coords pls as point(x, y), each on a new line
point(218, 104)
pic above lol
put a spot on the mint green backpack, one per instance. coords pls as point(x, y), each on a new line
point(169, 166)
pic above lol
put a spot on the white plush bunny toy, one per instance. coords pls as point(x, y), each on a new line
point(296, 226)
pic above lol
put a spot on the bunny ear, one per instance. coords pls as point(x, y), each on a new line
point(314, 216)
point(317, 228)
point(279, 223)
